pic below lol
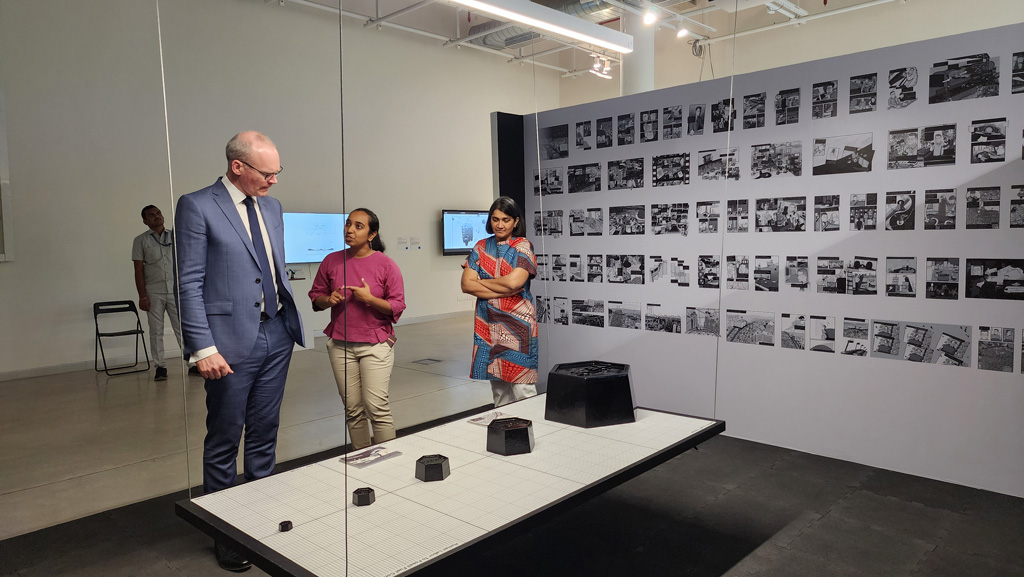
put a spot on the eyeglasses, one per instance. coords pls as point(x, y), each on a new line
point(266, 175)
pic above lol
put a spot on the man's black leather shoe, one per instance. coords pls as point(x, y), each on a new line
point(230, 560)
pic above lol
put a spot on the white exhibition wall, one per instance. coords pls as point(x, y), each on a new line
point(849, 391)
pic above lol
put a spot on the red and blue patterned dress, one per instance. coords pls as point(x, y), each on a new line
point(505, 332)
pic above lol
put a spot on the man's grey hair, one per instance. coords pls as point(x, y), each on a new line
point(240, 146)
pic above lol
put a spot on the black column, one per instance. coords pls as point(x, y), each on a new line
point(508, 157)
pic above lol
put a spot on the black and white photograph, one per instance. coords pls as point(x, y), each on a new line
point(991, 278)
point(584, 178)
point(737, 272)
point(671, 169)
point(900, 208)
point(707, 217)
point(988, 140)
point(737, 215)
point(826, 213)
point(798, 272)
point(595, 268)
point(942, 278)
point(974, 76)
point(831, 275)
point(627, 129)
point(575, 268)
point(548, 181)
point(624, 315)
point(995, 349)
point(750, 327)
point(855, 337)
point(559, 267)
point(662, 319)
point(626, 174)
point(787, 107)
point(627, 220)
point(922, 147)
point(680, 272)
point(794, 328)
point(703, 321)
point(788, 214)
point(1017, 206)
point(864, 211)
point(825, 99)
point(670, 218)
point(862, 276)
point(560, 311)
point(548, 223)
point(1017, 73)
point(584, 135)
point(723, 115)
point(885, 340)
point(605, 132)
point(753, 110)
point(657, 269)
point(586, 222)
point(842, 154)
point(589, 312)
point(718, 164)
point(931, 343)
point(982, 210)
point(672, 122)
point(543, 309)
point(695, 120)
point(940, 209)
point(554, 142)
point(902, 84)
point(649, 126)
point(709, 271)
point(821, 334)
point(543, 267)
point(766, 273)
point(624, 268)
point(901, 276)
point(863, 93)
point(778, 159)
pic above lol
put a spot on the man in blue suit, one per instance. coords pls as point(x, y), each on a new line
point(238, 315)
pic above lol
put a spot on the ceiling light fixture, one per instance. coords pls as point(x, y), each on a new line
point(683, 32)
point(601, 74)
point(554, 21)
point(650, 17)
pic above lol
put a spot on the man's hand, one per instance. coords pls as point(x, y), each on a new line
point(214, 367)
point(144, 304)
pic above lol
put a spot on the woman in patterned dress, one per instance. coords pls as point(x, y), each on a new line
point(498, 274)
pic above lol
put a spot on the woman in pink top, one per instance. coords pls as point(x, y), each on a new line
point(364, 290)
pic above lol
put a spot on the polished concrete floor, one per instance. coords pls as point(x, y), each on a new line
point(79, 443)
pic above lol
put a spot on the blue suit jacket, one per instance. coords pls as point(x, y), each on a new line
point(218, 274)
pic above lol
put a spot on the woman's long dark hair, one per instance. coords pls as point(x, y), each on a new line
point(509, 207)
point(375, 243)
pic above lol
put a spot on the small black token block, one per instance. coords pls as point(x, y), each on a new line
point(285, 526)
point(432, 468)
point(589, 394)
point(510, 436)
point(363, 496)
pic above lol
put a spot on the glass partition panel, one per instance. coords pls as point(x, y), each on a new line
point(84, 152)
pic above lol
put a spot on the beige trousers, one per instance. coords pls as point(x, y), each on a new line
point(363, 373)
point(505, 392)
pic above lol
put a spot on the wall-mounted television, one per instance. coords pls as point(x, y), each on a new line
point(310, 236)
point(461, 229)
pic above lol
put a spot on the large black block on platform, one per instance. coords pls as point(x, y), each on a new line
point(590, 394)
point(432, 468)
point(510, 436)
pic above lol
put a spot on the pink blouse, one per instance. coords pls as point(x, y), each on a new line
point(352, 320)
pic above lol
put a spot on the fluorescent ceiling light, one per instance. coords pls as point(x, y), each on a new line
point(554, 21)
point(596, 73)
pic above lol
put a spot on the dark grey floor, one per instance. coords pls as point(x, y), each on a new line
point(732, 508)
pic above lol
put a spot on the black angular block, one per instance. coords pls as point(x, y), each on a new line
point(432, 468)
point(590, 394)
point(363, 496)
point(510, 436)
point(285, 526)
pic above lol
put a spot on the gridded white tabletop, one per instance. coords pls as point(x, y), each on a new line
point(412, 522)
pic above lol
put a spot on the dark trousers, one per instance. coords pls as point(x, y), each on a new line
point(249, 398)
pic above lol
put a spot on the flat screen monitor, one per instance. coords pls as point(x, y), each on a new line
point(461, 229)
point(310, 236)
